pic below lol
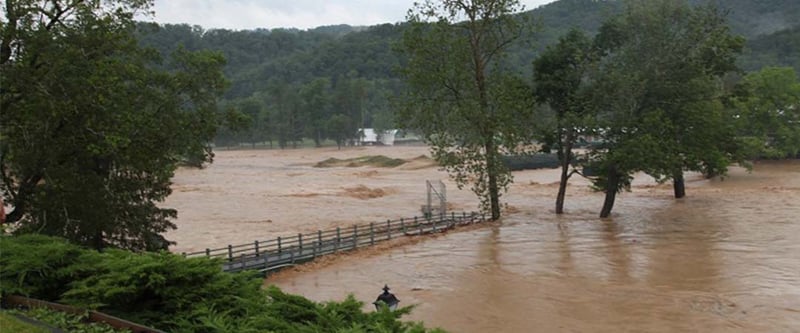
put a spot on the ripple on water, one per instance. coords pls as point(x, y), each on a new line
point(724, 259)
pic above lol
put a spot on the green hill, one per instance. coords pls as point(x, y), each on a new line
point(270, 70)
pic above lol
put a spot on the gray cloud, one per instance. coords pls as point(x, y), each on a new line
point(302, 14)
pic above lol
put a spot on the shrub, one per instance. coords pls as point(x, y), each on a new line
point(173, 293)
point(33, 265)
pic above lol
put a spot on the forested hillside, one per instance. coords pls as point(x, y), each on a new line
point(327, 82)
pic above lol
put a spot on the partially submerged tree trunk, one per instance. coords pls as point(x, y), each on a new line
point(678, 184)
point(494, 191)
point(458, 98)
point(612, 184)
point(566, 161)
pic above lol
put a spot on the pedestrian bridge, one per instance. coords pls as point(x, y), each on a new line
point(280, 252)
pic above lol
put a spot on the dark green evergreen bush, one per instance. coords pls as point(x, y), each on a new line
point(36, 265)
point(173, 293)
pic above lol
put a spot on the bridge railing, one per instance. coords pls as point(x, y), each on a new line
point(264, 254)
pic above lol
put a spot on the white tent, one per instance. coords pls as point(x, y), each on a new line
point(371, 137)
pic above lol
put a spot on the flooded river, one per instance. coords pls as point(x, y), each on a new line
point(726, 258)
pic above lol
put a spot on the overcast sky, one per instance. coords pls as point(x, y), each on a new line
point(301, 14)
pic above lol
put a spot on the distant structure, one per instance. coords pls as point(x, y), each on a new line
point(371, 137)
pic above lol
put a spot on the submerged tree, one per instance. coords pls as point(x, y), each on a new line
point(661, 78)
point(91, 130)
point(467, 107)
point(561, 78)
point(768, 113)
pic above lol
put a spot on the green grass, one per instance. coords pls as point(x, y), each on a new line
point(64, 321)
point(9, 323)
point(379, 161)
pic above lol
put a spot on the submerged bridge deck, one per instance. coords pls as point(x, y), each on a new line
point(286, 251)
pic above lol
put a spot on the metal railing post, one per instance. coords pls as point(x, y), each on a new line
point(355, 236)
point(319, 241)
point(338, 239)
point(300, 243)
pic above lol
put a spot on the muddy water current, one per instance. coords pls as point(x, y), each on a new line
point(726, 258)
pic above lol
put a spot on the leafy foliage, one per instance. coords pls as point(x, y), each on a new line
point(92, 129)
point(173, 293)
point(659, 86)
point(768, 113)
point(35, 264)
point(562, 81)
point(458, 96)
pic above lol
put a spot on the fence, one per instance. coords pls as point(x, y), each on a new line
point(285, 251)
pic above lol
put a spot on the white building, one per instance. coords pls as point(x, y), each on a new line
point(369, 136)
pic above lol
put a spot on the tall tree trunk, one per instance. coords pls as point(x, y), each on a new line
point(678, 184)
point(611, 192)
point(491, 170)
point(20, 200)
point(566, 159)
point(97, 241)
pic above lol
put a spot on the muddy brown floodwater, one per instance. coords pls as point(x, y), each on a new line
point(726, 258)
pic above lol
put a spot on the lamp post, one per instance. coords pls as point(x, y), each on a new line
point(386, 298)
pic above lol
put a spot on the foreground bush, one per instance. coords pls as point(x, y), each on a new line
point(173, 293)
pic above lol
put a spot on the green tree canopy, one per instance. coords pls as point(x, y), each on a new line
point(466, 106)
point(91, 129)
point(661, 93)
point(768, 114)
point(562, 80)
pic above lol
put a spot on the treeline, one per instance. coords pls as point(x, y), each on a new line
point(290, 85)
point(324, 83)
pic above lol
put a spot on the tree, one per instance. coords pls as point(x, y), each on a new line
point(257, 131)
point(283, 102)
point(316, 101)
point(91, 130)
point(339, 128)
point(458, 98)
point(561, 78)
point(661, 75)
point(768, 115)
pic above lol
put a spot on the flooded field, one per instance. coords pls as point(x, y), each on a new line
point(726, 258)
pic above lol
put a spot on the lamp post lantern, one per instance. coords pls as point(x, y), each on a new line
point(386, 298)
